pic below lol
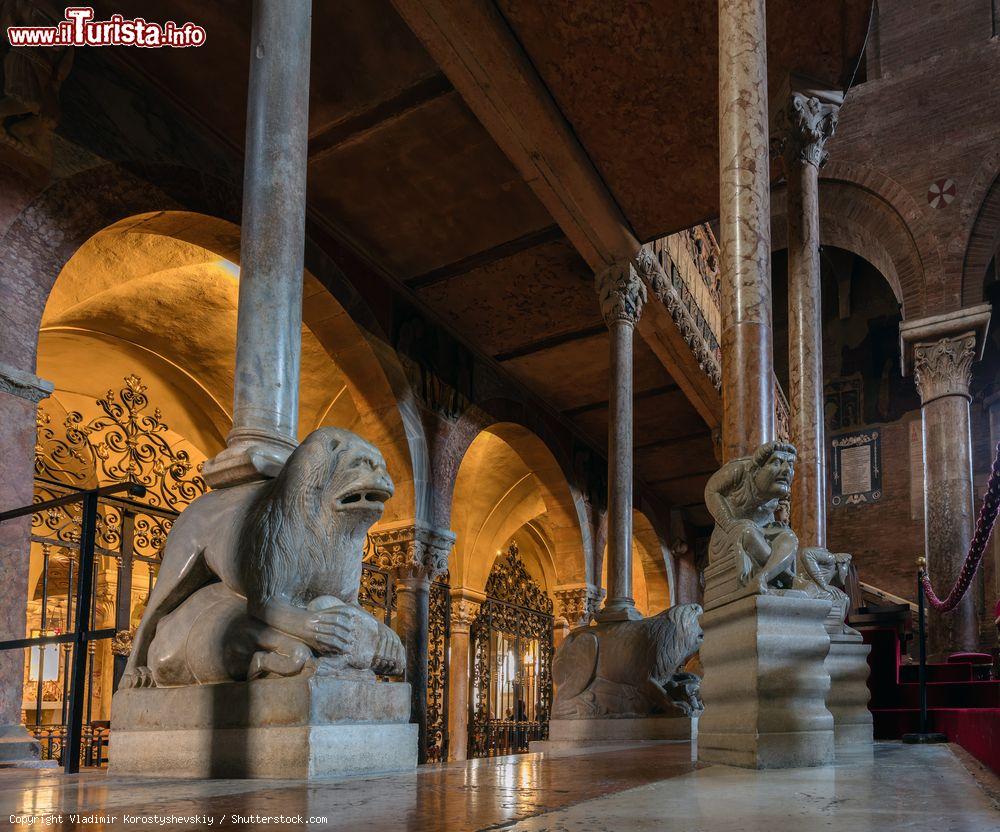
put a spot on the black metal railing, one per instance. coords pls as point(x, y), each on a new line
point(83, 632)
point(506, 736)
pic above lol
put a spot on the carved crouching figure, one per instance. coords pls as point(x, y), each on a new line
point(262, 579)
point(629, 668)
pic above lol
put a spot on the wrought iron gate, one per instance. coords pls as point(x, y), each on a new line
point(378, 596)
point(511, 662)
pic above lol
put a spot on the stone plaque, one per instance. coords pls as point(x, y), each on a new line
point(856, 467)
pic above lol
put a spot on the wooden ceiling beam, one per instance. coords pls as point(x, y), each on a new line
point(474, 46)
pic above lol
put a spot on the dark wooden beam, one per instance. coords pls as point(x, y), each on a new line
point(641, 394)
point(358, 125)
point(679, 477)
point(484, 258)
point(548, 343)
point(672, 441)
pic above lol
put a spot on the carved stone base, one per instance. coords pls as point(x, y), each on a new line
point(18, 749)
point(574, 733)
point(766, 684)
point(847, 664)
point(299, 727)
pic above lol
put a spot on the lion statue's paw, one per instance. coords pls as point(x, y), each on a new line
point(141, 677)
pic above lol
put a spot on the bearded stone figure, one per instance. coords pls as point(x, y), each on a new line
point(629, 669)
point(262, 579)
point(753, 550)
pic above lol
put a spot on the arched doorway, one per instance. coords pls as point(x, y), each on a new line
point(512, 650)
point(138, 336)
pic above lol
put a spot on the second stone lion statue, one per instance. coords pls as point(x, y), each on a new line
point(628, 669)
point(262, 579)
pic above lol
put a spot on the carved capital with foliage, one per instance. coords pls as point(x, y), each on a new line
point(413, 551)
point(944, 368)
point(578, 604)
point(464, 610)
point(805, 126)
point(621, 292)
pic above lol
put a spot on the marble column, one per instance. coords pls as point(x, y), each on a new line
point(20, 393)
point(415, 556)
point(745, 229)
point(269, 320)
point(808, 122)
point(465, 606)
point(622, 293)
point(941, 350)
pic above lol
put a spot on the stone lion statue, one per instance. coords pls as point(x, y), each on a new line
point(629, 668)
point(262, 579)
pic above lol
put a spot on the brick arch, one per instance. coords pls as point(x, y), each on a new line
point(984, 239)
point(47, 234)
point(528, 435)
point(877, 220)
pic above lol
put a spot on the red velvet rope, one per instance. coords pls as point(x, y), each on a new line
point(984, 527)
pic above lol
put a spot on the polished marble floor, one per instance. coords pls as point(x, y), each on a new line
point(649, 787)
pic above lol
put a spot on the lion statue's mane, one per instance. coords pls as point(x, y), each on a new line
point(629, 668)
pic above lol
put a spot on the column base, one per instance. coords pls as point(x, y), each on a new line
point(578, 733)
point(18, 749)
point(766, 684)
point(847, 664)
point(249, 460)
point(618, 612)
point(300, 727)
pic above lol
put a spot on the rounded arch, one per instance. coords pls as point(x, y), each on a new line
point(508, 482)
point(860, 220)
point(983, 243)
point(198, 211)
point(651, 551)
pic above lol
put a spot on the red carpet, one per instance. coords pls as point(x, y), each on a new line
point(966, 711)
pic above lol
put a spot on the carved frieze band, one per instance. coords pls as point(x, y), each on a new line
point(805, 127)
point(656, 269)
point(413, 551)
point(621, 292)
point(24, 385)
point(579, 604)
point(944, 368)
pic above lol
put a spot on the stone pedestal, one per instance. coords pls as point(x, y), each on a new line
point(847, 664)
point(576, 733)
point(766, 683)
point(299, 727)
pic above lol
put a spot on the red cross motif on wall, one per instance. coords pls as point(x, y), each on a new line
point(941, 193)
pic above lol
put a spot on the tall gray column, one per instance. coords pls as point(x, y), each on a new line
point(807, 124)
point(745, 230)
point(269, 323)
point(622, 294)
point(941, 350)
point(414, 556)
point(20, 393)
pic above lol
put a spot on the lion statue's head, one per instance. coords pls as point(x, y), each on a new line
point(313, 518)
point(678, 638)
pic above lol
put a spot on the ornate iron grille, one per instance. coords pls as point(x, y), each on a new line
point(377, 594)
point(125, 444)
point(512, 662)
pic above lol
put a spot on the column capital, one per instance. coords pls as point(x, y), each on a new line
point(414, 551)
point(465, 605)
point(578, 603)
point(973, 320)
point(804, 125)
point(944, 367)
point(621, 291)
point(24, 385)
